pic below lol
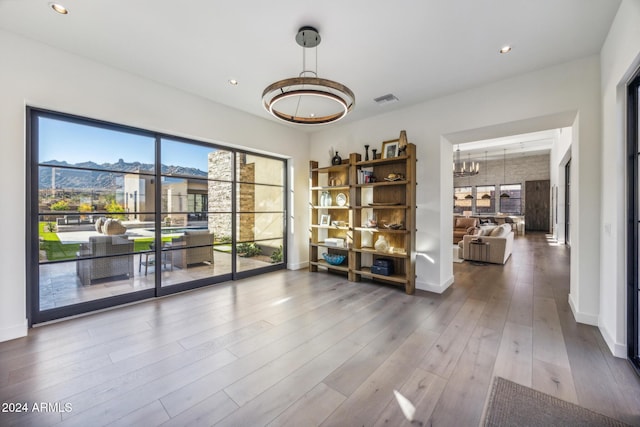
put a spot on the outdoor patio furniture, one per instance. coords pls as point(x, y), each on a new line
point(92, 269)
point(202, 252)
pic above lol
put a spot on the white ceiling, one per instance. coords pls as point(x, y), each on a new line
point(415, 49)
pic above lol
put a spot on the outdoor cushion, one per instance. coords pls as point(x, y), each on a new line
point(99, 223)
point(113, 227)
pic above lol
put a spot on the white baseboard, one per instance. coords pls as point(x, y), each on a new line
point(13, 332)
point(617, 349)
point(587, 319)
point(298, 266)
point(438, 289)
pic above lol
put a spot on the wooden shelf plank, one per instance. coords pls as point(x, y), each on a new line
point(382, 184)
point(386, 254)
point(334, 168)
point(381, 230)
point(325, 264)
point(327, 188)
point(329, 227)
point(382, 207)
point(322, 245)
point(396, 278)
point(378, 162)
point(332, 207)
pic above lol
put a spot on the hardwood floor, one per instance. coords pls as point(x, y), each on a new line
point(297, 349)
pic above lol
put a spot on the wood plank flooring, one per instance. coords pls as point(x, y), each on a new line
point(292, 348)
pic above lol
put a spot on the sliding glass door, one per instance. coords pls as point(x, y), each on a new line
point(260, 191)
point(196, 212)
point(119, 214)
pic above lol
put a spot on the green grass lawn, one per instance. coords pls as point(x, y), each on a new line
point(56, 250)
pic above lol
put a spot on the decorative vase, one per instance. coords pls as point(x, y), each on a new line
point(322, 197)
point(337, 160)
point(328, 200)
point(373, 150)
point(381, 244)
point(366, 152)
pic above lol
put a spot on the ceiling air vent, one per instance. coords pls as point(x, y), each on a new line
point(386, 99)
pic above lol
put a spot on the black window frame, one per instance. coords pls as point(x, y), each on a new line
point(34, 314)
point(633, 218)
point(510, 198)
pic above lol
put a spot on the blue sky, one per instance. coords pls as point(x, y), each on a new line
point(76, 143)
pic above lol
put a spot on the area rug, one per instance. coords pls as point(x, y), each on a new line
point(512, 404)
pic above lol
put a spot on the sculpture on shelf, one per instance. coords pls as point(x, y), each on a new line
point(402, 142)
point(373, 150)
point(381, 244)
point(366, 152)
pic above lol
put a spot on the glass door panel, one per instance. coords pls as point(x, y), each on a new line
point(259, 236)
point(93, 204)
point(196, 217)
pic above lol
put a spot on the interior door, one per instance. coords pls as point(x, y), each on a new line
point(537, 205)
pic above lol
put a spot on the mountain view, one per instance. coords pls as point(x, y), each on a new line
point(102, 176)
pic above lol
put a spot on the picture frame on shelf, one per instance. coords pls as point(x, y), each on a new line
point(390, 148)
point(325, 220)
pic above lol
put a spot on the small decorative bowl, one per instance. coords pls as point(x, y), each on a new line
point(334, 259)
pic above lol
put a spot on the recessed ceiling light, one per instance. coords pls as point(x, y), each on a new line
point(59, 8)
point(233, 82)
point(505, 49)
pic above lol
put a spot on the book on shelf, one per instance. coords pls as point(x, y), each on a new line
point(365, 175)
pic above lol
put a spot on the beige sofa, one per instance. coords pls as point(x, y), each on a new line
point(499, 238)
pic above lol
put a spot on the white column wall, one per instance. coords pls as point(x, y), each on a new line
point(620, 57)
point(560, 154)
point(565, 90)
point(37, 75)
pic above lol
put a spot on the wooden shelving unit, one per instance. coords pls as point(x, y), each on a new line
point(389, 202)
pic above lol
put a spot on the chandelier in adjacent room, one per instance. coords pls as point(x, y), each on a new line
point(462, 169)
point(308, 99)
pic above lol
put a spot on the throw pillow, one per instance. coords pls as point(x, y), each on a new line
point(500, 231)
point(113, 227)
point(486, 230)
point(477, 231)
point(99, 224)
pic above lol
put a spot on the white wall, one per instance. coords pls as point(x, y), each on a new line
point(620, 57)
point(37, 75)
point(560, 155)
point(545, 99)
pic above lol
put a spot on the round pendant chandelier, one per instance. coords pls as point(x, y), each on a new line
point(308, 99)
point(461, 169)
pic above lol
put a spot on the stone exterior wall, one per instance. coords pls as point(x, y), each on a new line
point(219, 197)
point(220, 200)
point(247, 197)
